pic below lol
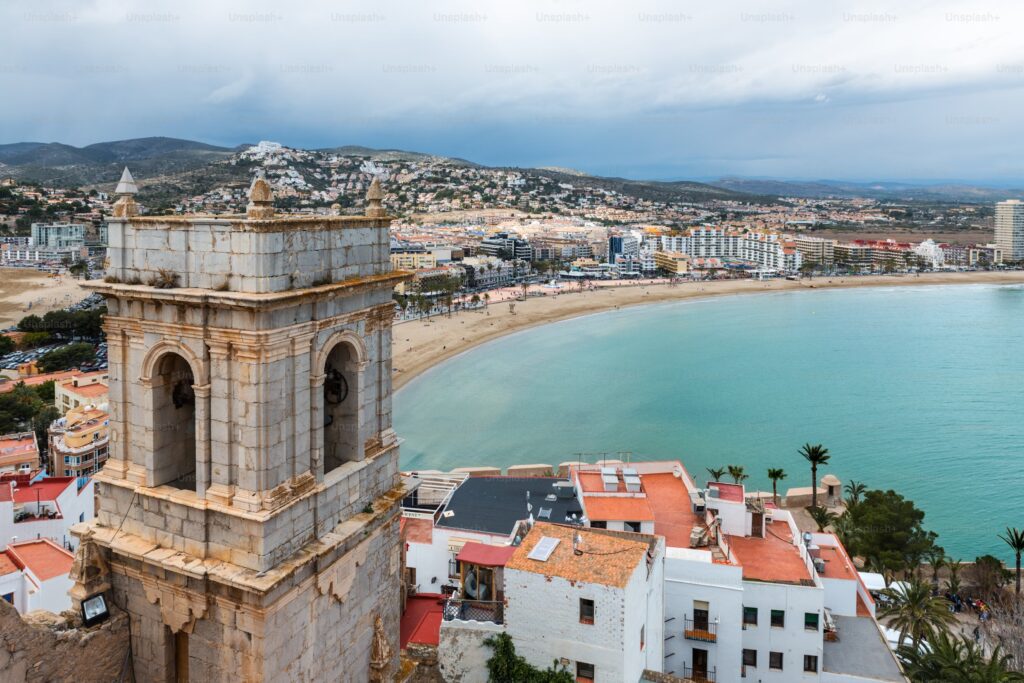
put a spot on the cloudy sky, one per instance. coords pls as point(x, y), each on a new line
point(865, 90)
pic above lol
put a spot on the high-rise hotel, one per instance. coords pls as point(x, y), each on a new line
point(1010, 229)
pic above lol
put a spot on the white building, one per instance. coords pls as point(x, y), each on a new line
point(588, 599)
point(57, 235)
point(745, 595)
point(766, 250)
point(34, 576)
point(1010, 229)
point(43, 508)
point(931, 252)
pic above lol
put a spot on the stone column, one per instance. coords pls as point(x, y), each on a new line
point(202, 418)
point(316, 425)
point(359, 370)
point(220, 488)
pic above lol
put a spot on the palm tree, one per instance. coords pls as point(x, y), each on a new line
point(1015, 539)
point(816, 455)
point(936, 557)
point(822, 517)
point(854, 490)
point(953, 582)
point(716, 473)
point(776, 474)
point(736, 472)
point(914, 612)
point(948, 658)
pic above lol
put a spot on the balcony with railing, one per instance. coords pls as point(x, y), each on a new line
point(699, 675)
point(702, 629)
point(461, 609)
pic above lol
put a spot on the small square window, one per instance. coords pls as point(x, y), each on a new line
point(811, 621)
point(584, 671)
point(632, 526)
point(811, 663)
point(586, 611)
point(750, 616)
point(749, 657)
point(778, 618)
point(775, 660)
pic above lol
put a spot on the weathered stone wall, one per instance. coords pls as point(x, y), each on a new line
point(248, 256)
point(44, 647)
point(317, 626)
point(462, 655)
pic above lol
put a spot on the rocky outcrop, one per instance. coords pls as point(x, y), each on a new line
point(44, 646)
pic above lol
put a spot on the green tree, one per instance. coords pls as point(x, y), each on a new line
point(737, 473)
point(822, 517)
point(936, 557)
point(70, 356)
point(987, 576)
point(889, 531)
point(6, 345)
point(776, 474)
point(1015, 539)
point(716, 473)
point(505, 666)
point(854, 490)
point(914, 612)
point(949, 659)
point(816, 455)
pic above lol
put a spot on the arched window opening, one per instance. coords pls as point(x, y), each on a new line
point(174, 424)
point(341, 408)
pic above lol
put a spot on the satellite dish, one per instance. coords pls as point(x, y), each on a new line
point(529, 507)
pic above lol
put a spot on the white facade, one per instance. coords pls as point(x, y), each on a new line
point(1009, 224)
point(46, 509)
point(766, 250)
point(28, 579)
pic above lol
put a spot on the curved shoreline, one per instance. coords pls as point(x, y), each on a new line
point(419, 346)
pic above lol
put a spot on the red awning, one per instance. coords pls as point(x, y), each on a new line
point(485, 555)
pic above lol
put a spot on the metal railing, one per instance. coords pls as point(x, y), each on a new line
point(707, 676)
point(705, 631)
point(474, 610)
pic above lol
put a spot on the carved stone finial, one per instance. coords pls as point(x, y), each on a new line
point(125, 205)
point(261, 198)
point(380, 652)
point(89, 572)
point(374, 197)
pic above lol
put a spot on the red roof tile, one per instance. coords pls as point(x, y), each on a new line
point(485, 555)
point(421, 621)
point(616, 508)
point(48, 489)
point(773, 558)
point(43, 557)
point(669, 499)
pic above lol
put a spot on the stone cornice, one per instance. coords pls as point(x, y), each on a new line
point(219, 337)
point(246, 300)
point(279, 223)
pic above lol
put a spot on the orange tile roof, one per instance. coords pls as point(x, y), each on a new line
point(47, 489)
point(836, 565)
point(417, 530)
point(617, 508)
point(773, 558)
point(7, 566)
point(609, 558)
point(669, 499)
point(43, 557)
point(33, 380)
point(88, 390)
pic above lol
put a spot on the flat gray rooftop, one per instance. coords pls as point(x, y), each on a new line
point(861, 651)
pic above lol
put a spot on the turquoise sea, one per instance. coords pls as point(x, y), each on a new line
point(918, 389)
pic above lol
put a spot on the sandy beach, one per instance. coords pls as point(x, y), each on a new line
point(418, 345)
point(25, 290)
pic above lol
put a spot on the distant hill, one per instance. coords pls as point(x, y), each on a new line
point(937, 192)
point(60, 164)
point(167, 168)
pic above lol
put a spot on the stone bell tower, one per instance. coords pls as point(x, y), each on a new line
point(247, 517)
